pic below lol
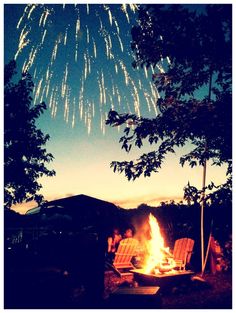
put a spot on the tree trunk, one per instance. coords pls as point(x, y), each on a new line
point(202, 212)
point(204, 183)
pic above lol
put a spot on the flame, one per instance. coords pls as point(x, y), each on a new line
point(157, 253)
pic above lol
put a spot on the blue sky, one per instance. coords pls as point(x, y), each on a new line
point(99, 79)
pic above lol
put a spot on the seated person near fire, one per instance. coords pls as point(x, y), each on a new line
point(113, 241)
point(128, 233)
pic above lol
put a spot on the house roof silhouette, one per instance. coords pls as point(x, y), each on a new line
point(82, 206)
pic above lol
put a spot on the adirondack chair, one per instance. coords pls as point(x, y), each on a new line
point(182, 252)
point(125, 252)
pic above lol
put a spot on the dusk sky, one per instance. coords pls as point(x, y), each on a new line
point(81, 62)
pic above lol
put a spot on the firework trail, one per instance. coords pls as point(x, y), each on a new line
point(80, 58)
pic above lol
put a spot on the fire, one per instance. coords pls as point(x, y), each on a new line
point(159, 258)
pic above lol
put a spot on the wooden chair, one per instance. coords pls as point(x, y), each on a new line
point(182, 252)
point(126, 250)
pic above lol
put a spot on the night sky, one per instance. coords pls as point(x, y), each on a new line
point(81, 62)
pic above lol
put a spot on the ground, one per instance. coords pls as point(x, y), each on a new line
point(215, 292)
point(54, 288)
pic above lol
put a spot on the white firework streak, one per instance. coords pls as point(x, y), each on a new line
point(110, 42)
point(154, 91)
point(65, 38)
point(88, 118)
point(103, 87)
point(73, 114)
point(136, 98)
point(110, 16)
point(102, 122)
point(106, 7)
point(64, 82)
point(19, 22)
point(100, 92)
point(160, 67)
point(145, 71)
point(76, 51)
point(23, 15)
point(87, 60)
point(54, 102)
point(88, 37)
point(120, 42)
point(147, 97)
point(41, 19)
point(93, 109)
point(23, 67)
point(48, 73)
point(116, 68)
point(152, 69)
point(67, 105)
point(113, 88)
point(54, 52)
point(35, 73)
point(140, 84)
point(43, 38)
point(107, 47)
point(117, 26)
point(154, 105)
point(77, 32)
point(33, 6)
point(85, 66)
point(42, 94)
point(81, 97)
point(46, 14)
point(101, 25)
point(77, 29)
point(38, 90)
point(126, 74)
point(94, 49)
point(168, 60)
point(133, 7)
point(48, 87)
point(23, 42)
point(118, 95)
point(111, 101)
point(124, 9)
point(81, 107)
point(51, 98)
point(31, 59)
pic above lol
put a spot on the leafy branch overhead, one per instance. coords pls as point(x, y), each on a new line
point(25, 154)
point(195, 103)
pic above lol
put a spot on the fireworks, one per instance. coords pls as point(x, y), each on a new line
point(80, 59)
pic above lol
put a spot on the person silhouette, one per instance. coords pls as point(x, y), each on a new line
point(113, 241)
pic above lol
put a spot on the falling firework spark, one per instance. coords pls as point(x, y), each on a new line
point(81, 59)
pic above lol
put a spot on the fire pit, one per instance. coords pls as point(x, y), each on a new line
point(166, 279)
point(159, 267)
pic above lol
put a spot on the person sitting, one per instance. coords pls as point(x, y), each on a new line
point(112, 243)
point(128, 233)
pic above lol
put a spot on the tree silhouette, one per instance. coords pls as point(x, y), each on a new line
point(195, 90)
point(24, 152)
